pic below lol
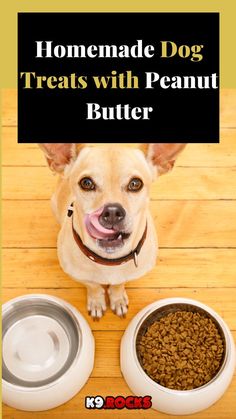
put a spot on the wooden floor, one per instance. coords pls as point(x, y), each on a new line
point(194, 209)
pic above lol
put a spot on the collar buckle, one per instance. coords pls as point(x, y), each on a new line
point(70, 210)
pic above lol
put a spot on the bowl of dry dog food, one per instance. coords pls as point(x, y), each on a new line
point(181, 353)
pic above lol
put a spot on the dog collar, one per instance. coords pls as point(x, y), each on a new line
point(94, 257)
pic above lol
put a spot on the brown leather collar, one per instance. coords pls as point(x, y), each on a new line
point(133, 255)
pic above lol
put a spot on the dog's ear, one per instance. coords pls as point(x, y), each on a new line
point(162, 156)
point(58, 155)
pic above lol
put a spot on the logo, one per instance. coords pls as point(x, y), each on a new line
point(118, 402)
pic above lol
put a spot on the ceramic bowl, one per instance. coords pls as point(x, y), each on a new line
point(47, 352)
point(166, 400)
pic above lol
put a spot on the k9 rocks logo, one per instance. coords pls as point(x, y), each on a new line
point(118, 402)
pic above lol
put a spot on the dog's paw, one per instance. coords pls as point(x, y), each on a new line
point(119, 302)
point(96, 306)
point(120, 307)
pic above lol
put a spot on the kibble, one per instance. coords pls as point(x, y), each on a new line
point(182, 350)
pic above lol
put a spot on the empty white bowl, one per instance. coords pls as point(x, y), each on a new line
point(166, 400)
point(47, 351)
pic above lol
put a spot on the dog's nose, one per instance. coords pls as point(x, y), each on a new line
point(112, 215)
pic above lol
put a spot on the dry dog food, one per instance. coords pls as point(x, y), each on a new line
point(183, 350)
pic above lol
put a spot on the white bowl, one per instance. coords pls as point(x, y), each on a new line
point(47, 350)
point(166, 400)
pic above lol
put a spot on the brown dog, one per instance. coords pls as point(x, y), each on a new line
point(101, 201)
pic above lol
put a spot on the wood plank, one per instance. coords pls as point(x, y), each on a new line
point(17, 154)
point(194, 224)
point(9, 107)
point(182, 183)
point(74, 409)
point(227, 107)
point(178, 223)
point(27, 183)
point(139, 298)
point(107, 360)
point(35, 268)
point(204, 155)
point(211, 155)
point(28, 224)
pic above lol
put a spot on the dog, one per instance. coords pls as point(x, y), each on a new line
point(107, 235)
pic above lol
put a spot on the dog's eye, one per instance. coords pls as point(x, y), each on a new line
point(135, 185)
point(87, 184)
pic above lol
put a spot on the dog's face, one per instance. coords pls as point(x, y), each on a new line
point(110, 187)
point(111, 190)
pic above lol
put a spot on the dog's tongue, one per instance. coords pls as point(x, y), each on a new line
point(95, 229)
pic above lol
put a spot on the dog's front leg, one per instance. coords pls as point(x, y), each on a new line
point(118, 299)
point(96, 302)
